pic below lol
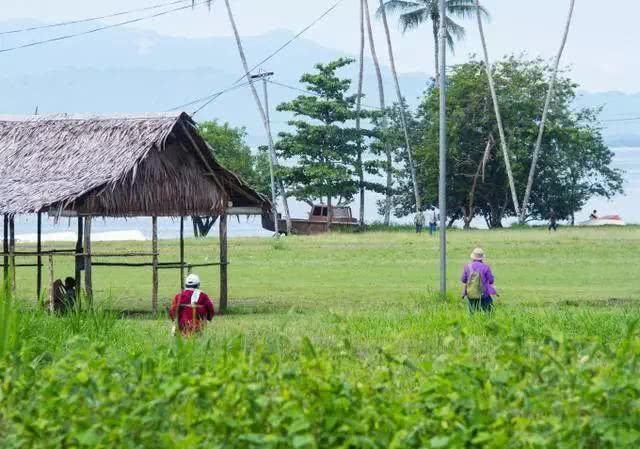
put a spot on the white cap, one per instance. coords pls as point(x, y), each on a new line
point(193, 280)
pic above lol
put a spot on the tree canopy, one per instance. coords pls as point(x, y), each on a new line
point(575, 163)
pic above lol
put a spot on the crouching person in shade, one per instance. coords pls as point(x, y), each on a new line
point(191, 308)
point(478, 283)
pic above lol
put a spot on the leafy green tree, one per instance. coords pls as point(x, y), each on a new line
point(324, 146)
point(415, 13)
point(574, 163)
point(231, 150)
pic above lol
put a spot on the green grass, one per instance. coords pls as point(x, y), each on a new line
point(345, 328)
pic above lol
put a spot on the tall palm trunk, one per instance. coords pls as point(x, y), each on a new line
point(496, 106)
point(273, 160)
point(436, 46)
point(387, 147)
point(545, 112)
point(358, 109)
point(403, 119)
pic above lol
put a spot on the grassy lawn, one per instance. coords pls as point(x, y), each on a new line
point(349, 316)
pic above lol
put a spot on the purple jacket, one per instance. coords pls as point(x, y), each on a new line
point(485, 275)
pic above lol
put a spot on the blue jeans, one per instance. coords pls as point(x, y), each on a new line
point(432, 228)
point(485, 304)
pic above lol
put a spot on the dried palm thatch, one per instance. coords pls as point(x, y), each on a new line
point(152, 165)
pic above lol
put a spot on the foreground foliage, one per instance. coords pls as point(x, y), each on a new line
point(90, 390)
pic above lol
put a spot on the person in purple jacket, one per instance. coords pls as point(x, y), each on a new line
point(478, 269)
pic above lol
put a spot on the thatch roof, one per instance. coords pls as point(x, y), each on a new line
point(114, 166)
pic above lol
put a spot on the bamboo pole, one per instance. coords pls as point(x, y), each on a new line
point(154, 243)
point(12, 249)
point(39, 258)
point(5, 247)
point(78, 259)
point(88, 286)
point(181, 253)
point(223, 263)
point(52, 292)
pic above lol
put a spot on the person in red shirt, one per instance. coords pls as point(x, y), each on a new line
point(191, 307)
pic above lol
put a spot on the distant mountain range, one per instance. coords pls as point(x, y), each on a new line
point(129, 71)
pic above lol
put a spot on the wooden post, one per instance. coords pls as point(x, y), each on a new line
point(181, 253)
point(52, 292)
point(78, 259)
point(5, 250)
point(154, 243)
point(39, 258)
point(12, 250)
point(88, 286)
point(223, 263)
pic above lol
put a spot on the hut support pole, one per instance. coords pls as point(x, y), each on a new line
point(88, 286)
point(78, 273)
point(5, 250)
point(223, 263)
point(52, 291)
point(12, 250)
point(181, 253)
point(154, 287)
point(39, 258)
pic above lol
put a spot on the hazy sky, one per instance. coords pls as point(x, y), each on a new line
point(600, 50)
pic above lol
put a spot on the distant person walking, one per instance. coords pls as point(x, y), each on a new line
point(191, 308)
point(433, 220)
point(478, 283)
point(419, 222)
point(553, 220)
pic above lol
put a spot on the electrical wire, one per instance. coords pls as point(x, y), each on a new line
point(208, 97)
point(272, 55)
point(105, 27)
point(91, 19)
point(308, 92)
point(290, 41)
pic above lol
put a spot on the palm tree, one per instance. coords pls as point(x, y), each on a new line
point(414, 13)
point(392, 60)
point(358, 109)
point(263, 114)
point(545, 112)
point(496, 106)
point(387, 148)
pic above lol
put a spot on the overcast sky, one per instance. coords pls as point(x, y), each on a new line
point(600, 50)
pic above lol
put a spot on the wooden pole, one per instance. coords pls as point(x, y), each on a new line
point(88, 286)
point(39, 257)
point(181, 253)
point(78, 259)
point(223, 263)
point(12, 250)
point(52, 292)
point(154, 288)
point(5, 247)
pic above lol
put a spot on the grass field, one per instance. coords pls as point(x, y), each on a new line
point(347, 330)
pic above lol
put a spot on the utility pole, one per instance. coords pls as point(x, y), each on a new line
point(272, 153)
point(442, 187)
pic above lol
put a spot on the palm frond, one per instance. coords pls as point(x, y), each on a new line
point(395, 6)
point(413, 19)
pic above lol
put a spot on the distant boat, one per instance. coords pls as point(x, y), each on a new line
point(605, 220)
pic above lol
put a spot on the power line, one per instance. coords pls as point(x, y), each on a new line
point(282, 47)
point(629, 119)
point(315, 94)
point(208, 97)
point(91, 19)
point(286, 44)
point(94, 30)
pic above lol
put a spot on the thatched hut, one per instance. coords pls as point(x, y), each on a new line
point(116, 166)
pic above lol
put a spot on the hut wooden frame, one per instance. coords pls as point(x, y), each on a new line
point(154, 165)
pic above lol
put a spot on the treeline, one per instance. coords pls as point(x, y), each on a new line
point(328, 159)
